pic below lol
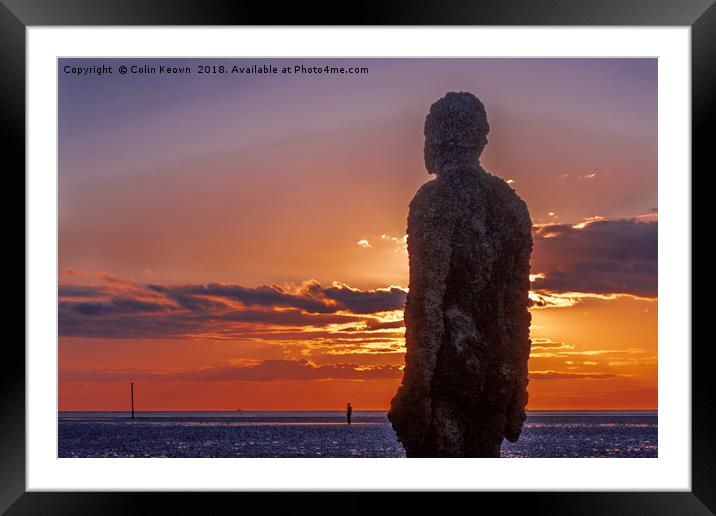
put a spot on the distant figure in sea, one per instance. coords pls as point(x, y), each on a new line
point(467, 326)
point(349, 412)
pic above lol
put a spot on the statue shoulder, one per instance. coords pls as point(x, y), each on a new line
point(508, 197)
point(432, 206)
point(434, 193)
point(426, 193)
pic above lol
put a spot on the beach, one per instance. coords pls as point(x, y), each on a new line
point(326, 434)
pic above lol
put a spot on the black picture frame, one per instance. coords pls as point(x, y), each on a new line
point(17, 15)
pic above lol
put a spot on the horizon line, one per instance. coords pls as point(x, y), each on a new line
point(357, 410)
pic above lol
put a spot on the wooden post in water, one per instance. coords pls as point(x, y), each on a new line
point(132, 392)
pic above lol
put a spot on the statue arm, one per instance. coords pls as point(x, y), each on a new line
point(430, 229)
point(430, 249)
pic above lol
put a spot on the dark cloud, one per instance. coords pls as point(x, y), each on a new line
point(190, 302)
point(312, 297)
point(116, 305)
point(267, 370)
point(265, 296)
point(286, 317)
point(224, 311)
point(82, 322)
point(367, 302)
point(603, 257)
point(137, 319)
point(87, 291)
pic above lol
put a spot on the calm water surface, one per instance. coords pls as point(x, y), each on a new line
point(325, 434)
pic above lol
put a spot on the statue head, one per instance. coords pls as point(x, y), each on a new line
point(455, 132)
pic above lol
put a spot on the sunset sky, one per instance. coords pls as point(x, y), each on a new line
point(238, 241)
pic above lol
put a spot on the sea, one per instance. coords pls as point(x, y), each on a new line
point(326, 434)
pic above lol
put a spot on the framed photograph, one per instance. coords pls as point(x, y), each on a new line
point(430, 248)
